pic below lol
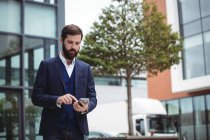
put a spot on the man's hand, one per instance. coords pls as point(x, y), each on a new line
point(80, 106)
point(66, 99)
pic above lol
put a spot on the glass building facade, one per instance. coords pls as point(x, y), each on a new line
point(29, 33)
point(191, 116)
point(194, 19)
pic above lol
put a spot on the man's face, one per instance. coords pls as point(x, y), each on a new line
point(71, 46)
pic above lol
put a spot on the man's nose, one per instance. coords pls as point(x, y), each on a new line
point(74, 45)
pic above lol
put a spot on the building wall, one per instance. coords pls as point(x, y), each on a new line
point(160, 3)
point(160, 86)
point(182, 89)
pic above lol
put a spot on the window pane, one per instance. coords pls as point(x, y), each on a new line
point(52, 51)
point(9, 48)
point(10, 16)
point(187, 118)
point(139, 83)
point(9, 45)
point(189, 10)
point(191, 28)
point(40, 20)
point(32, 118)
point(50, 48)
point(33, 56)
point(207, 51)
point(15, 70)
point(8, 116)
point(200, 118)
point(45, 1)
point(26, 63)
point(108, 81)
point(38, 57)
point(206, 23)
point(205, 10)
point(31, 43)
point(208, 113)
point(2, 71)
point(173, 107)
point(193, 66)
point(173, 111)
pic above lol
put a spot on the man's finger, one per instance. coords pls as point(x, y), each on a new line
point(68, 97)
point(73, 98)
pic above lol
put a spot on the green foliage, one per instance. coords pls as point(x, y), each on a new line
point(129, 38)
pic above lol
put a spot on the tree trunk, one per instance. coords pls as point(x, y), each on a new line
point(129, 103)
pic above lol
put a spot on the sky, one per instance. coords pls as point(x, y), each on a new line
point(84, 12)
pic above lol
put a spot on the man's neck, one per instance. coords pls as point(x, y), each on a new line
point(68, 61)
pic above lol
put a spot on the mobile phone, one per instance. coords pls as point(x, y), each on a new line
point(84, 100)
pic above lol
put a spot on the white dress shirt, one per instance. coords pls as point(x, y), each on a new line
point(69, 68)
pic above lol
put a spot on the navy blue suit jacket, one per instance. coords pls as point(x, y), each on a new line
point(49, 85)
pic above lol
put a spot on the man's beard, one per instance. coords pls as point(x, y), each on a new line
point(69, 54)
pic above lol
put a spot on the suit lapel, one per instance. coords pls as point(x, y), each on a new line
point(59, 70)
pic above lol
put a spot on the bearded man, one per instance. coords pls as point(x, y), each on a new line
point(60, 83)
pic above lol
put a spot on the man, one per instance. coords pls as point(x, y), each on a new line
point(59, 84)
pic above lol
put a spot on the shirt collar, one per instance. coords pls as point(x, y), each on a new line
point(65, 62)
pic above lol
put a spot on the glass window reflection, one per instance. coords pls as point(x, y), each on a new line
point(189, 10)
point(191, 28)
point(173, 107)
point(40, 20)
point(193, 66)
point(206, 23)
point(45, 1)
point(8, 116)
point(26, 63)
point(194, 26)
point(32, 118)
point(38, 57)
point(9, 45)
point(31, 43)
point(52, 51)
point(205, 10)
point(173, 111)
point(32, 57)
point(187, 118)
point(15, 70)
point(208, 113)
point(2, 71)
point(207, 51)
point(10, 61)
point(32, 61)
point(200, 118)
point(50, 48)
point(10, 16)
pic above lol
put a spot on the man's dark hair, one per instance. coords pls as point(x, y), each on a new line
point(71, 30)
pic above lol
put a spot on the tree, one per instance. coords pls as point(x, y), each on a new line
point(131, 38)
